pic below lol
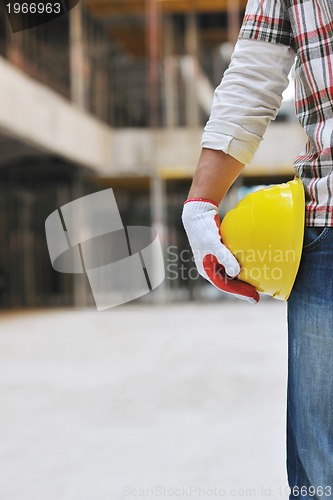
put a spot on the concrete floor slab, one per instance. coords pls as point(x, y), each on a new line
point(148, 401)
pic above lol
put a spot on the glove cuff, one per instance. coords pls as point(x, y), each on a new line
point(202, 200)
point(198, 207)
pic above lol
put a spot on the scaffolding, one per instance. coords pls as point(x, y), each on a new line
point(100, 61)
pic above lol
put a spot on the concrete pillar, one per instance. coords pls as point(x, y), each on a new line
point(157, 196)
point(233, 20)
point(101, 93)
point(81, 288)
point(191, 48)
point(77, 57)
point(170, 74)
point(14, 48)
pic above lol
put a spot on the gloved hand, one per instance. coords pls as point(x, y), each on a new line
point(213, 260)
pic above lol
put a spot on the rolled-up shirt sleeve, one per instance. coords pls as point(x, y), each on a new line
point(250, 93)
point(248, 98)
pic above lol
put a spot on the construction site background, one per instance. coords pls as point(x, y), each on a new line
point(115, 95)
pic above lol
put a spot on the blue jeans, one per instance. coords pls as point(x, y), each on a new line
point(310, 371)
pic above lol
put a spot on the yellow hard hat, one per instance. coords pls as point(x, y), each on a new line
point(265, 232)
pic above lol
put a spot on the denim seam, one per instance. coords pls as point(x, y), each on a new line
point(317, 241)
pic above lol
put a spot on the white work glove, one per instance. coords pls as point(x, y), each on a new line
point(213, 260)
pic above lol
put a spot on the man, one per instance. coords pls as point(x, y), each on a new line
point(273, 33)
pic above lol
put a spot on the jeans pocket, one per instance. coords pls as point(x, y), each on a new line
point(313, 236)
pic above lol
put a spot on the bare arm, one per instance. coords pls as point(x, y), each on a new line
point(215, 173)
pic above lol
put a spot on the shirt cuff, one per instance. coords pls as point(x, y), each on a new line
point(241, 150)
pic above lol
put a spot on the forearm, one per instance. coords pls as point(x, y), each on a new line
point(215, 173)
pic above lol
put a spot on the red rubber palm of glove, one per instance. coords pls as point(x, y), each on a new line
point(216, 273)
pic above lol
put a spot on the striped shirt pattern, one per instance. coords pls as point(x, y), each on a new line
point(307, 27)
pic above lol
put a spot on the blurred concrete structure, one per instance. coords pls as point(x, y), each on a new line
point(113, 95)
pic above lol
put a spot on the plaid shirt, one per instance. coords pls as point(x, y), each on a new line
point(307, 27)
